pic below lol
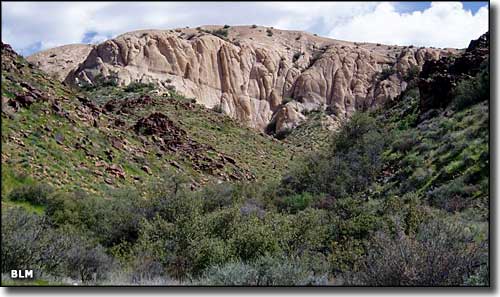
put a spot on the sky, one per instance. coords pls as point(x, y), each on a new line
point(33, 26)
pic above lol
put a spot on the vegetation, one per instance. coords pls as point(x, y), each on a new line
point(386, 73)
point(387, 199)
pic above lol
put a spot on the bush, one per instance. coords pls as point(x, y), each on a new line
point(218, 108)
point(36, 194)
point(265, 271)
point(349, 165)
point(474, 90)
point(221, 33)
point(386, 73)
point(21, 244)
point(295, 202)
point(296, 56)
point(412, 73)
point(139, 87)
point(47, 250)
point(452, 196)
point(87, 263)
point(226, 26)
point(442, 254)
point(254, 26)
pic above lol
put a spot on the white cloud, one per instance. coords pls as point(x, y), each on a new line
point(30, 26)
point(445, 24)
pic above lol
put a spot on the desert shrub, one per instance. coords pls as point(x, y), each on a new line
point(49, 250)
point(296, 56)
point(37, 194)
point(218, 108)
point(253, 238)
point(386, 73)
point(230, 274)
point(21, 233)
point(473, 90)
point(295, 202)
point(217, 196)
point(226, 26)
point(111, 220)
point(283, 133)
point(265, 271)
point(269, 32)
point(221, 33)
point(349, 165)
point(405, 141)
point(254, 26)
point(99, 81)
point(139, 87)
point(412, 73)
point(87, 263)
point(441, 254)
point(454, 195)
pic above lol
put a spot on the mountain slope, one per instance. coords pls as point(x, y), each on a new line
point(257, 75)
point(61, 136)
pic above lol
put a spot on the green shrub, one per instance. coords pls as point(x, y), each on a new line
point(452, 196)
point(442, 254)
point(36, 194)
point(349, 165)
point(295, 202)
point(221, 33)
point(139, 87)
point(265, 271)
point(412, 73)
point(386, 73)
point(474, 90)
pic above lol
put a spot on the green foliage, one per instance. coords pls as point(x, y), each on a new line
point(36, 194)
point(348, 166)
point(265, 271)
point(473, 90)
point(139, 87)
point(386, 73)
point(221, 33)
point(99, 81)
point(442, 254)
point(412, 73)
point(47, 250)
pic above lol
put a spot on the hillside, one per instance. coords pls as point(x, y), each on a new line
point(111, 137)
point(258, 75)
point(118, 183)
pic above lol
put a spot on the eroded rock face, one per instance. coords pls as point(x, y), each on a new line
point(250, 73)
point(60, 61)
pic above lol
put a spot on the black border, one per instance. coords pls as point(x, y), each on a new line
point(459, 290)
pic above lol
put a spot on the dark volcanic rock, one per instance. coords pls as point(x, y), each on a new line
point(439, 77)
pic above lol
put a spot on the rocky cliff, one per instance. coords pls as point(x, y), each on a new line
point(258, 75)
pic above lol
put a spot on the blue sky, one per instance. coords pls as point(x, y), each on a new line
point(31, 26)
point(413, 6)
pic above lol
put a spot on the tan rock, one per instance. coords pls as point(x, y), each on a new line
point(61, 60)
point(249, 74)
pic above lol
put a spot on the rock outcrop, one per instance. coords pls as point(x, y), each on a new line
point(439, 77)
point(60, 61)
point(257, 75)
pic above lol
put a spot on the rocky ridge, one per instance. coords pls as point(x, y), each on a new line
point(257, 75)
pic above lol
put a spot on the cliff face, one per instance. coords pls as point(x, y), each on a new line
point(257, 75)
